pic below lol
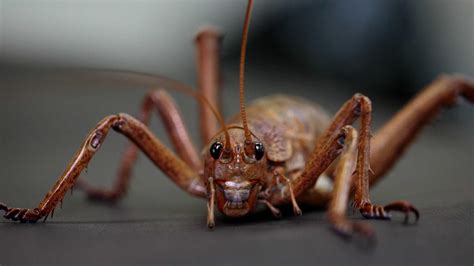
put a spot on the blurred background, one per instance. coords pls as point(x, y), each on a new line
point(321, 50)
point(379, 45)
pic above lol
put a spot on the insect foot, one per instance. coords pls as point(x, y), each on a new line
point(383, 212)
point(20, 214)
point(348, 229)
point(297, 211)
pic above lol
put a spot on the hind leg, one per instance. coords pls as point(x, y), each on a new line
point(393, 139)
point(208, 44)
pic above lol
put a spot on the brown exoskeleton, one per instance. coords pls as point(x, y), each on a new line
point(278, 151)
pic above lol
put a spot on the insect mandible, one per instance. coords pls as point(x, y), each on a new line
point(278, 151)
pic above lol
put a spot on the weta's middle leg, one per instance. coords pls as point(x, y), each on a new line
point(172, 119)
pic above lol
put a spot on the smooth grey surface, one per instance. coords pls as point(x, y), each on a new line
point(140, 35)
point(44, 120)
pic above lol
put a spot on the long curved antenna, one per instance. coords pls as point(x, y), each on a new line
point(243, 49)
point(168, 83)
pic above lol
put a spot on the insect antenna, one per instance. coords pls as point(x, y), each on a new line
point(243, 49)
point(167, 83)
point(189, 91)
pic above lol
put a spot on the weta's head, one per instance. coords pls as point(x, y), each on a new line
point(235, 160)
point(238, 175)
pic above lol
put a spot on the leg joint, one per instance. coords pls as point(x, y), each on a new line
point(346, 132)
point(158, 94)
point(121, 120)
point(154, 97)
point(363, 104)
point(101, 131)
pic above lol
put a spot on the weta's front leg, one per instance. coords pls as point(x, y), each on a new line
point(328, 148)
point(278, 178)
point(279, 174)
point(177, 170)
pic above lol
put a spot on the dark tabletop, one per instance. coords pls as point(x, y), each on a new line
point(44, 120)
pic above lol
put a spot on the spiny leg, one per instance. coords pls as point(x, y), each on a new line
point(342, 144)
point(327, 149)
point(361, 106)
point(390, 141)
point(176, 129)
point(208, 42)
point(176, 169)
point(393, 138)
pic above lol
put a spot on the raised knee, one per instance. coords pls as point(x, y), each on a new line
point(363, 104)
point(96, 138)
point(161, 98)
point(123, 118)
point(359, 97)
point(158, 94)
point(348, 135)
point(208, 31)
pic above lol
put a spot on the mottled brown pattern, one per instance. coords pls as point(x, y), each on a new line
point(285, 124)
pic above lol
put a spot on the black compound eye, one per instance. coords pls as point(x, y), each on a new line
point(216, 150)
point(259, 150)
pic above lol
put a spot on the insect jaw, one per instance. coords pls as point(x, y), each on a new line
point(237, 183)
point(236, 198)
point(236, 205)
